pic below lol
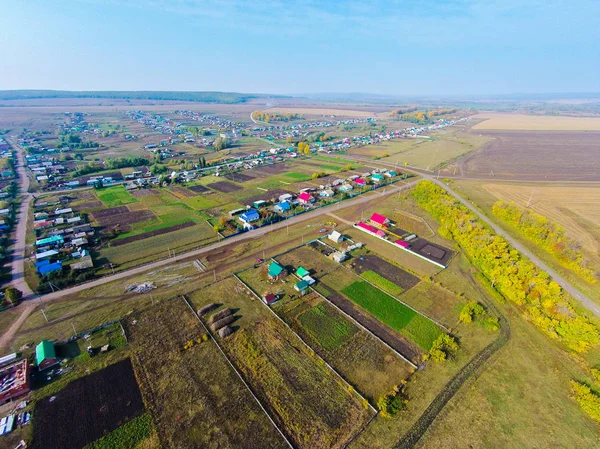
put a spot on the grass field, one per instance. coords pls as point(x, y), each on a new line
point(522, 122)
point(393, 313)
point(194, 396)
point(330, 329)
point(115, 196)
point(382, 283)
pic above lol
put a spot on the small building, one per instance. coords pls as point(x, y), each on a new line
point(276, 271)
point(270, 298)
point(309, 279)
point(335, 237)
point(390, 174)
point(301, 287)
point(250, 216)
point(339, 256)
point(327, 193)
point(260, 203)
point(305, 198)
point(15, 380)
point(346, 188)
point(48, 267)
point(285, 197)
point(282, 207)
point(379, 220)
point(301, 272)
point(377, 178)
point(45, 355)
point(361, 182)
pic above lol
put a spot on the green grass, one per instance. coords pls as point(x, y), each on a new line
point(115, 196)
point(393, 313)
point(298, 176)
point(330, 330)
point(128, 436)
point(382, 283)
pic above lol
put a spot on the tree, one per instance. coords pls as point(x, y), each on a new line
point(220, 144)
point(223, 221)
point(13, 295)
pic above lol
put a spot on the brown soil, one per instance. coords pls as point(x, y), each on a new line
point(140, 193)
point(224, 186)
point(145, 235)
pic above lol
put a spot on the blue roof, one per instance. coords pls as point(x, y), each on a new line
point(45, 269)
point(284, 205)
point(250, 215)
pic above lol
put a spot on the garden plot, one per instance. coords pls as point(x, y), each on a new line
point(193, 394)
point(88, 408)
point(141, 193)
point(198, 188)
point(224, 187)
point(239, 177)
point(362, 359)
point(122, 216)
point(146, 235)
point(180, 192)
point(115, 196)
point(377, 271)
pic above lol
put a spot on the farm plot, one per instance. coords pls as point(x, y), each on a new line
point(99, 403)
point(145, 235)
point(180, 192)
point(363, 360)
point(394, 314)
point(537, 156)
point(239, 177)
point(306, 399)
point(195, 397)
point(141, 193)
point(115, 196)
point(122, 216)
point(377, 271)
point(224, 186)
point(198, 188)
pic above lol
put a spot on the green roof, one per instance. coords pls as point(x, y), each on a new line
point(301, 271)
point(43, 351)
point(377, 176)
point(302, 285)
point(275, 269)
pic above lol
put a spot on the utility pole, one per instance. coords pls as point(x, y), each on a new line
point(530, 197)
point(74, 331)
point(44, 313)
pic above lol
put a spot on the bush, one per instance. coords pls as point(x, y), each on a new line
point(128, 436)
point(587, 399)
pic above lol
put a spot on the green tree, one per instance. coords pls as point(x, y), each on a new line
point(13, 295)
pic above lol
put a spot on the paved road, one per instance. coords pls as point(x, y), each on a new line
point(566, 285)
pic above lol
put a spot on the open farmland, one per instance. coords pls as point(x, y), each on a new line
point(362, 359)
point(194, 396)
point(393, 313)
point(522, 122)
point(304, 397)
point(97, 404)
point(536, 156)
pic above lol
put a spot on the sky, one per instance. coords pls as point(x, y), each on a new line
point(416, 47)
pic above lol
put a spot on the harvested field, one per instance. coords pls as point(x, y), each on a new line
point(121, 216)
point(87, 206)
point(392, 312)
point(239, 177)
point(304, 397)
point(537, 155)
point(99, 402)
point(145, 235)
point(198, 189)
point(364, 361)
point(389, 271)
point(194, 396)
point(182, 193)
point(224, 187)
point(273, 194)
point(140, 193)
point(522, 122)
point(328, 113)
point(268, 170)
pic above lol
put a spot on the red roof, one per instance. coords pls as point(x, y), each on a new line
point(380, 233)
point(366, 227)
point(270, 298)
point(402, 243)
point(379, 219)
point(359, 181)
point(304, 196)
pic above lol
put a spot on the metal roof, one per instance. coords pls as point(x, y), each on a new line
point(43, 351)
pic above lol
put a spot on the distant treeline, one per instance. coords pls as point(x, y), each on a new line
point(415, 115)
point(275, 116)
point(110, 164)
point(205, 97)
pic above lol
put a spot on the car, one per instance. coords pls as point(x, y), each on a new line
point(323, 231)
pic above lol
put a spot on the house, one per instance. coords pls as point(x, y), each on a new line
point(276, 271)
point(377, 178)
point(45, 356)
point(390, 174)
point(15, 378)
point(361, 182)
point(301, 272)
point(270, 298)
point(46, 254)
point(327, 193)
point(346, 188)
point(48, 267)
point(337, 182)
point(309, 279)
point(305, 198)
point(335, 237)
point(339, 256)
point(251, 215)
point(282, 207)
point(301, 287)
point(379, 220)
point(285, 197)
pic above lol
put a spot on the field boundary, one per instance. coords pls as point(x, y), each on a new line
point(400, 211)
point(311, 350)
point(237, 372)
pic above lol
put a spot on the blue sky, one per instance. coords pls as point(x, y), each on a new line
point(386, 47)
